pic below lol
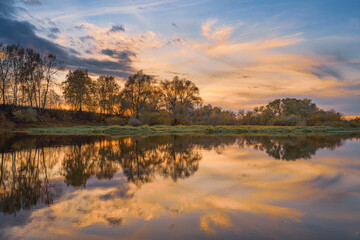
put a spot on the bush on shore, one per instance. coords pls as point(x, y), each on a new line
point(133, 121)
point(27, 115)
point(111, 121)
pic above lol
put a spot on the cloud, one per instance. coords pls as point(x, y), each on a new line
point(278, 66)
point(13, 31)
point(32, 2)
point(124, 55)
point(86, 38)
point(280, 60)
point(206, 27)
point(23, 33)
point(176, 41)
point(54, 30)
point(7, 9)
point(217, 33)
point(117, 28)
point(127, 7)
point(117, 46)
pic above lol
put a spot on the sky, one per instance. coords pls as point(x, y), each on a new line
point(240, 53)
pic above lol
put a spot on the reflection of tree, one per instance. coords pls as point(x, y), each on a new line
point(78, 166)
point(180, 160)
point(27, 171)
point(141, 159)
point(138, 162)
point(21, 183)
point(292, 147)
point(106, 166)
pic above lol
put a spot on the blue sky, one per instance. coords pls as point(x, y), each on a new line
point(240, 53)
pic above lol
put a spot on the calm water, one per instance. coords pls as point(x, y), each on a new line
point(180, 187)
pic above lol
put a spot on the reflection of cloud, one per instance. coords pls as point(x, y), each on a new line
point(217, 219)
point(232, 191)
point(82, 208)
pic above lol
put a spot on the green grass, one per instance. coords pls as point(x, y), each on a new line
point(192, 129)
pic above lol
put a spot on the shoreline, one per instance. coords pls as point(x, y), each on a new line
point(184, 129)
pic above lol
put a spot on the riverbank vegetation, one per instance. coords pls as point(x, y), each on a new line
point(31, 97)
point(182, 129)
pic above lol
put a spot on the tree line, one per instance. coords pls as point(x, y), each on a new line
point(143, 100)
point(293, 112)
point(26, 76)
point(27, 79)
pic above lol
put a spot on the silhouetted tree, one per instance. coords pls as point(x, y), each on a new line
point(180, 96)
point(137, 91)
point(46, 70)
point(105, 93)
point(290, 112)
point(77, 88)
point(5, 67)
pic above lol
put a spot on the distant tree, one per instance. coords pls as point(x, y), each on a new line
point(106, 90)
point(301, 107)
point(26, 75)
point(291, 112)
point(29, 74)
point(209, 115)
point(180, 96)
point(53, 99)
point(16, 55)
point(77, 88)
point(44, 78)
point(137, 92)
point(5, 68)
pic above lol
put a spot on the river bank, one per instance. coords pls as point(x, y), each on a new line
point(182, 129)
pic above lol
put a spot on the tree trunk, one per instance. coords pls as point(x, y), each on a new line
point(3, 95)
point(45, 96)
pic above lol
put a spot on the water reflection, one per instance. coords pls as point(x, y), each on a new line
point(24, 174)
point(24, 180)
point(294, 147)
point(93, 180)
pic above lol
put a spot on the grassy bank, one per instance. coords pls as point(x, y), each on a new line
point(193, 129)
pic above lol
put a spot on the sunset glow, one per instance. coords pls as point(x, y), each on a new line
point(241, 54)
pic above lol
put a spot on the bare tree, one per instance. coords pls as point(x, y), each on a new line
point(45, 71)
point(5, 67)
point(15, 55)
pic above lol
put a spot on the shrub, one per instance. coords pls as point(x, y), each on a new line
point(354, 123)
point(133, 121)
point(155, 118)
point(27, 115)
point(293, 120)
point(4, 122)
point(115, 121)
